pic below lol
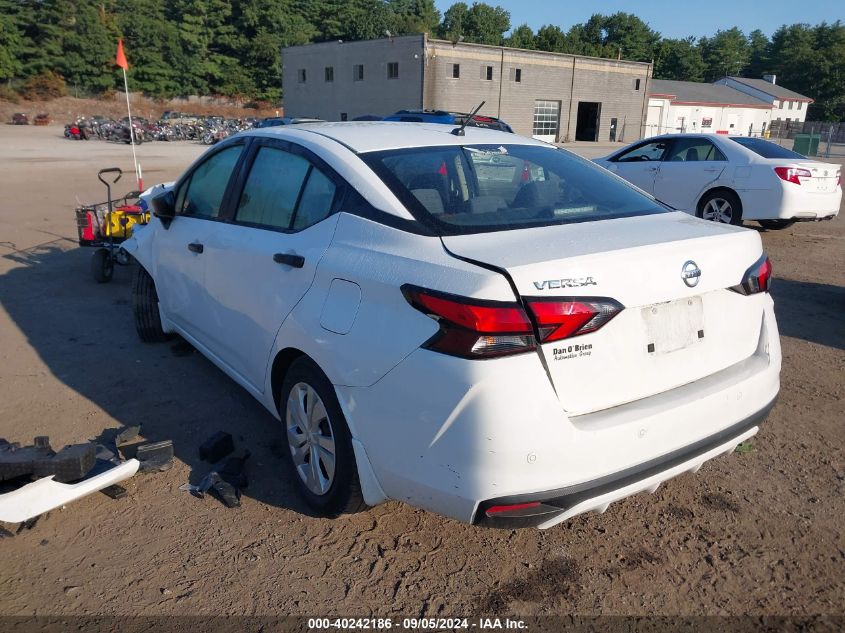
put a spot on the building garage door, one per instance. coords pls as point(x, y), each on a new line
point(546, 120)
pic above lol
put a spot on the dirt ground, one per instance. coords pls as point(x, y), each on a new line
point(754, 533)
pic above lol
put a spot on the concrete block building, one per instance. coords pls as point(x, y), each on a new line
point(550, 96)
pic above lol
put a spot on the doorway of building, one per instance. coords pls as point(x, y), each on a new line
point(587, 123)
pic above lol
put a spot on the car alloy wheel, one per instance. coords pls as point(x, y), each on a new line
point(310, 438)
point(718, 210)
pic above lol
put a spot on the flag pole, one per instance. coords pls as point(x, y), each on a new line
point(131, 131)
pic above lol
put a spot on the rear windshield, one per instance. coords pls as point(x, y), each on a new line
point(478, 188)
point(766, 149)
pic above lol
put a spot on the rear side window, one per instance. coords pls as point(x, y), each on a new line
point(284, 191)
point(472, 189)
point(272, 188)
point(647, 151)
point(316, 201)
point(202, 195)
point(694, 150)
point(766, 149)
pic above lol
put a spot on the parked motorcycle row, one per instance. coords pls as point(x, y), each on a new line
point(206, 131)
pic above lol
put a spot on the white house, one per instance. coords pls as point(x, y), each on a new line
point(689, 106)
point(787, 105)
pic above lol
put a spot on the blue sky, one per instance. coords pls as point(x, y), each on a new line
point(674, 18)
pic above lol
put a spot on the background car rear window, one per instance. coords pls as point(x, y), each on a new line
point(202, 195)
point(272, 188)
point(475, 189)
point(766, 149)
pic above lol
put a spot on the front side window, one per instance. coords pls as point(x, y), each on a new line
point(284, 191)
point(694, 149)
point(646, 152)
point(329, 70)
point(393, 70)
point(456, 71)
point(301, 75)
point(202, 195)
point(358, 72)
point(471, 189)
point(487, 73)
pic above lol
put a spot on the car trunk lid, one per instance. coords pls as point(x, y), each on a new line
point(675, 328)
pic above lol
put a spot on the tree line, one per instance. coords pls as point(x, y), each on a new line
point(233, 48)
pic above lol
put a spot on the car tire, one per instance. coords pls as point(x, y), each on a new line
point(775, 225)
point(102, 266)
point(145, 307)
point(314, 424)
point(721, 206)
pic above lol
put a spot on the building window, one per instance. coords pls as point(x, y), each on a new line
point(344, 116)
point(790, 104)
point(329, 73)
point(456, 71)
point(487, 73)
point(393, 70)
point(636, 84)
point(776, 103)
point(799, 105)
point(300, 75)
point(358, 72)
point(517, 75)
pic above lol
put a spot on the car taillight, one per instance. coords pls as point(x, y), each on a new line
point(564, 318)
point(792, 174)
point(838, 177)
point(473, 328)
point(758, 278)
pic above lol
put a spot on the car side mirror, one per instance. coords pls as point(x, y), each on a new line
point(164, 208)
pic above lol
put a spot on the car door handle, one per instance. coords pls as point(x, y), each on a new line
point(651, 168)
point(713, 169)
point(195, 247)
point(289, 259)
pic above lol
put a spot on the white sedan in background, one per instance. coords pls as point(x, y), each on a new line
point(731, 178)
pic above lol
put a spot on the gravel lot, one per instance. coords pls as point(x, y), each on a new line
point(759, 532)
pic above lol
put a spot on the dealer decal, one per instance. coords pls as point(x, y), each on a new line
point(572, 351)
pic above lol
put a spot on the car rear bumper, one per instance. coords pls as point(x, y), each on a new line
point(452, 436)
point(790, 202)
point(563, 503)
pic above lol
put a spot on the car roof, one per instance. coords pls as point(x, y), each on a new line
point(371, 136)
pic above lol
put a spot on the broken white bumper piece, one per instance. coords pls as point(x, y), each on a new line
point(44, 494)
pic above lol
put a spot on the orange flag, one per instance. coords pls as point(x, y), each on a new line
point(121, 58)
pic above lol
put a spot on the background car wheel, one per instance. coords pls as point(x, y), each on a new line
point(102, 266)
point(145, 307)
point(721, 206)
point(322, 462)
point(775, 225)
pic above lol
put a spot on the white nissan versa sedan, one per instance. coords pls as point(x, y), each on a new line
point(477, 324)
point(731, 178)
